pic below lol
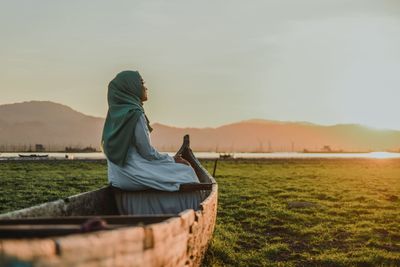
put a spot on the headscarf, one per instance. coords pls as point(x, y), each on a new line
point(124, 110)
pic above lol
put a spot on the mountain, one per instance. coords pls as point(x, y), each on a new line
point(43, 122)
point(56, 126)
point(264, 136)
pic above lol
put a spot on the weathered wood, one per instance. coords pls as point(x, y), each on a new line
point(45, 227)
point(111, 219)
point(39, 231)
point(176, 241)
point(97, 202)
point(195, 187)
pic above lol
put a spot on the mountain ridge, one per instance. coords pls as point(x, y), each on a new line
point(56, 126)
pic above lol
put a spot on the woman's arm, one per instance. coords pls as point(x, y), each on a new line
point(143, 142)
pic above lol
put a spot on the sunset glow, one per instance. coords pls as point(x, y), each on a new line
point(325, 62)
point(200, 133)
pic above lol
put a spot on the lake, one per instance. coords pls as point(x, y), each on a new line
point(214, 155)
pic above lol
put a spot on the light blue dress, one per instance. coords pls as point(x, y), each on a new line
point(146, 168)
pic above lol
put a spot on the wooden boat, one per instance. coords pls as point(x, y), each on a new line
point(58, 233)
point(33, 156)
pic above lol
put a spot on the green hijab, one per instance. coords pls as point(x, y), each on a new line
point(124, 110)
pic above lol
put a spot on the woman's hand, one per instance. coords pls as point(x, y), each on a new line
point(179, 159)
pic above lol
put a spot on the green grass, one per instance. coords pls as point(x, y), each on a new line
point(23, 184)
point(350, 214)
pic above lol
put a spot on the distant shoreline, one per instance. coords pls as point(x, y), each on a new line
point(214, 155)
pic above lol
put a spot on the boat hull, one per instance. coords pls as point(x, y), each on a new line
point(178, 241)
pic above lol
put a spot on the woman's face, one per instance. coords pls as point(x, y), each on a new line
point(144, 93)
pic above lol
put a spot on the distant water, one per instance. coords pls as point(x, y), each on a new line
point(213, 155)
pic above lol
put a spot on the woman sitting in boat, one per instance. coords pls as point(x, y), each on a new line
point(133, 163)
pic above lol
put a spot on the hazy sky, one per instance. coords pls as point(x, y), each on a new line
point(208, 63)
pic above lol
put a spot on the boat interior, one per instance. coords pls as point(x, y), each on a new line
point(109, 207)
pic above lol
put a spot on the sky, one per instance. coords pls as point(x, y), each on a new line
point(211, 62)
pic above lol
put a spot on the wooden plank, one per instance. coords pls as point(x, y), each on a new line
point(110, 219)
point(30, 231)
point(190, 187)
point(23, 232)
point(195, 187)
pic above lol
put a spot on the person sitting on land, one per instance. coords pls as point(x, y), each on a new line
point(133, 163)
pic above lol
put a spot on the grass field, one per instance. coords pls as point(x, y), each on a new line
point(303, 212)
